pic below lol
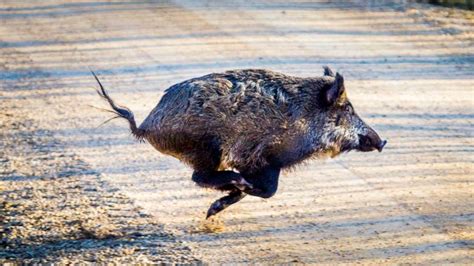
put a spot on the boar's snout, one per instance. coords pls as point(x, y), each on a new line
point(371, 142)
point(381, 145)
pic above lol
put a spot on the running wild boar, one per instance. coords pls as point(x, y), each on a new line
point(240, 128)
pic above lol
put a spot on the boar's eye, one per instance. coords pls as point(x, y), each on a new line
point(338, 120)
point(350, 109)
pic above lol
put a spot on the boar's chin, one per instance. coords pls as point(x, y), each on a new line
point(346, 148)
point(335, 151)
point(366, 148)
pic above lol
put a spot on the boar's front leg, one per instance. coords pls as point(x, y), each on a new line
point(264, 182)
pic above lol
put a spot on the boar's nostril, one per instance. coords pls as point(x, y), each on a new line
point(381, 145)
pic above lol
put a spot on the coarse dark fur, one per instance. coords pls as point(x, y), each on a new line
point(239, 128)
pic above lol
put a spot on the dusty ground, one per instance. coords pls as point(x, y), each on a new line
point(409, 72)
point(54, 208)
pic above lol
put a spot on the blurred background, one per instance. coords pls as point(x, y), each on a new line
point(64, 180)
point(467, 4)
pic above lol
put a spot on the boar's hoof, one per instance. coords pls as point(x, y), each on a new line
point(224, 202)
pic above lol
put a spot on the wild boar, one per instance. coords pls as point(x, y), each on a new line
point(240, 128)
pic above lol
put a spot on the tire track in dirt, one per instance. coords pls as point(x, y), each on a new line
point(55, 209)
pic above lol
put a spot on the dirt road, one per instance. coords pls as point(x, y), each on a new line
point(409, 72)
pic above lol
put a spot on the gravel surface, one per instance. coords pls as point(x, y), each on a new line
point(408, 70)
point(54, 208)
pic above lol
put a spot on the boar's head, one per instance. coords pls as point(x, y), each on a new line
point(343, 129)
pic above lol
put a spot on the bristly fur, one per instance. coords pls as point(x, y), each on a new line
point(239, 129)
point(120, 111)
point(249, 119)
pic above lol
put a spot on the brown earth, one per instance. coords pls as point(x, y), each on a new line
point(54, 208)
point(409, 72)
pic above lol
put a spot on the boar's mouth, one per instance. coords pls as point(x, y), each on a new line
point(346, 147)
point(370, 143)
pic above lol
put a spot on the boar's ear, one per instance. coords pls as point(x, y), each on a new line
point(328, 71)
point(336, 90)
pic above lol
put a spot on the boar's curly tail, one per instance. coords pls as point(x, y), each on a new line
point(120, 111)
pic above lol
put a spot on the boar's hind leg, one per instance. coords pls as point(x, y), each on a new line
point(225, 202)
point(264, 181)
point(264, 184)
point(221, 180)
